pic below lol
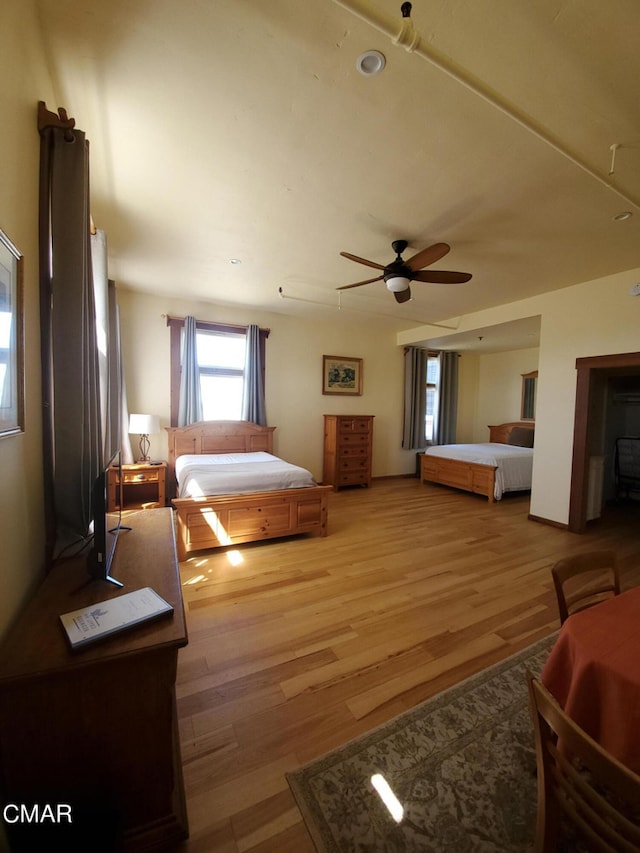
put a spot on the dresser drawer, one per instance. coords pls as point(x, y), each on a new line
point(353, 463)
point(359, 449)
point(353, 478)
point(354, 425)
point(353, 439)
point(149, 476)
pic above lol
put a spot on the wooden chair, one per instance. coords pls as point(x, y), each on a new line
point(580, 786)
point(585, 579)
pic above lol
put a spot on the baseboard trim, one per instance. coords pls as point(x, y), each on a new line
point(548, 522)
point(396, 477)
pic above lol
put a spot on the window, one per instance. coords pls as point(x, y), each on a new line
point(433, 375)
point(221, 363)
point(5, 347)
point(528, 405)
point(221, 355)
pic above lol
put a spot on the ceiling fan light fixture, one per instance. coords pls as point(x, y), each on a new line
point(370, 62)
point(397, 283)
point(399, 274)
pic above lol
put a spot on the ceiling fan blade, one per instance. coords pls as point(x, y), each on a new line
point(441, 276)
point(362, 260)
point(402, 295)
point(428, 256)
point(358, 283)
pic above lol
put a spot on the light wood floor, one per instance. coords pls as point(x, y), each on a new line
point(306, 643)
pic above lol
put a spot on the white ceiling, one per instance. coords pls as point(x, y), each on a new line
point(242, 129)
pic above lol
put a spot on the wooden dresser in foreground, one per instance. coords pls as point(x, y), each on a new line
point(348, 450)
point(96, 729)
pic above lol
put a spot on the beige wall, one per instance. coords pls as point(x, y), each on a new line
point(24, 83)
point(295, 403)
point(489, 390)
point(468, 378)
point(500, 388)
point(596, 318)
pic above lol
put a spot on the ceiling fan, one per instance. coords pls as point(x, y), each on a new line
point(399, 273)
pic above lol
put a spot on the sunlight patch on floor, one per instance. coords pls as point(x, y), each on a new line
point(392, 803)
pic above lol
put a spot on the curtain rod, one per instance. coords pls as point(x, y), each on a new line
point(47, 119)
point(209, 323)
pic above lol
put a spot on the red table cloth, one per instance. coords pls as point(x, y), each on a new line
point(593, 671)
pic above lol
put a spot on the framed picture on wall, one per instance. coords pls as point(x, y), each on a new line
point(341, 375)
point(11, 339)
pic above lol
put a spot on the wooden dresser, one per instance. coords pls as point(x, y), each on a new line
point(348, 447)
point(96, 729)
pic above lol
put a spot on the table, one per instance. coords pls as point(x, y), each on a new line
point(97, 728)
point(593, 671)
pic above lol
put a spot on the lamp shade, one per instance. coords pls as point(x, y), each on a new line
point(144, 424)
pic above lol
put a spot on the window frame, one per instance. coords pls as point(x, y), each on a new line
point(176, 325)
point(435, 386)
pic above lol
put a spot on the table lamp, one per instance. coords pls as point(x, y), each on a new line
point(144, 426)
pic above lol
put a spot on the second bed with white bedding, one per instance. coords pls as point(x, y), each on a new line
point(514, 465)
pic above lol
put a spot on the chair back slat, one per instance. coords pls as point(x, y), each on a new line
point(580, 782)
point(582, 580)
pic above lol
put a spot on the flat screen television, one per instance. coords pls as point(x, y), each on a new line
point(106, 525)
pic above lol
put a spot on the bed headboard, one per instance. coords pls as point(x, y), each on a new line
point(502, 432)
point(217, 437)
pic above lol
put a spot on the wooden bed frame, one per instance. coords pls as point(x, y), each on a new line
point(220, 520)
point(469, 476)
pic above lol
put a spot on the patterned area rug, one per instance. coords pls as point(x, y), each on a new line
point(462, 766)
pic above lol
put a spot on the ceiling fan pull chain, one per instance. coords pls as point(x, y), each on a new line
point(613, 148)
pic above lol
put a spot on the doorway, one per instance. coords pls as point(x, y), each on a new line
point(593, 375)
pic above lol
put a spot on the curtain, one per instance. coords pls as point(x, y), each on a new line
point(118, 408)
point(72, 430)
point(253, 403)
point(125, 440)
point(415, 398)
point(113, 395)
point(101, 297)
point(190, 405)
point(445, 420)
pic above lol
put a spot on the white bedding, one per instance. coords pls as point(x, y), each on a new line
point(237, 473)
point(514, 464)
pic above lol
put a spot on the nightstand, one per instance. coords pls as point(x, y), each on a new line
point(143, 486)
